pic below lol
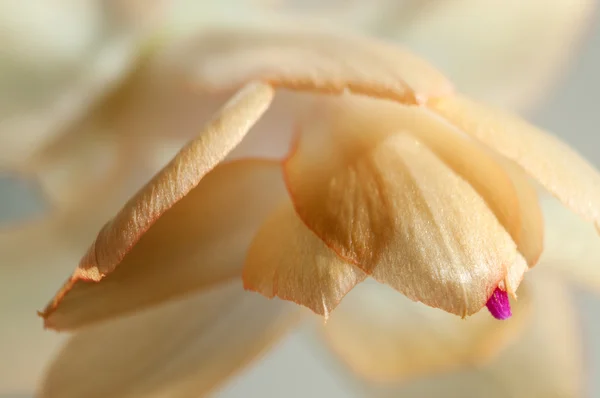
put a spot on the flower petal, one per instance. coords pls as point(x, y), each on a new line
point(61, 60)
point(384, 337)
point(169, 186)
point(35, 257)
point(395, 210)
point(556, 166)
point(309, 59)
point(182, 349)
point(504, 188)
point(469, 41)
point(288, 261)
point(545, 361)
point(200, 241)
point(571, 245)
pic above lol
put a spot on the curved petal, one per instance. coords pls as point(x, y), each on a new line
point(545, 158)
point(504, 188)
point(545, 361)
point(288, 261)
point(308, 59)
point(200, 241)
point(384, 337)
point(177, 179)
point(182, 349)
point(572, 245)
point(389, 205)
point(469, 41)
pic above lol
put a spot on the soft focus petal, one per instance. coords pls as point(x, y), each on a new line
point(384, 337)
point(200, 241)
point(287, 260)
point(60, 61)
point(304, 59)
point(398, 212)
point(507, 53)
point(556, 166)
point(183, 349)
point(531, 236)
point(33, 260)
point(81, 165)
point(545, 361)
point(571, 245)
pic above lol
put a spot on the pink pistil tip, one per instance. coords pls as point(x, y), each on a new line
point(498, 305)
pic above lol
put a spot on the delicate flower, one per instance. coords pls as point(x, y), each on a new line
point(119, 112)
point(391, 175)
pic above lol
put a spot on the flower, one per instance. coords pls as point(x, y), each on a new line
point(74, 223)
point(386, 165)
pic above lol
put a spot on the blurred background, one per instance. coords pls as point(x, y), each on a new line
point(297, 367)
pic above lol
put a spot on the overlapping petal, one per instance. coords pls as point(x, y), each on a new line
point(289, 261)
point(384, 201)
point(182, 349)
point(308, 59)
point(46, 85)
point(201, 240)
point(557, 167)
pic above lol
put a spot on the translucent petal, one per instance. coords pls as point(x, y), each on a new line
point(200, 241)
point(182, 349)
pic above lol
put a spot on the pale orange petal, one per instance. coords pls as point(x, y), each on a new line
point(531, 236)
point(385, 337)
point(545, 158)
point(508, 53)
point(183, 349)
point(177, 179)
point(200, 241)
point(572, 245)
point(545, 361)
point(33, 260)
point(288, 261)
point(506, 190)
point(394, 209)
point(308, 59)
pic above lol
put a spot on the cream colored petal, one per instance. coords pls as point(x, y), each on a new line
point(385, 337)
point(308, 59)
point(545, 361)
point(33, 260)
point(288, 261)
point(531, 236)
point(186, 348)
point(177, 179)
point(60, 61)
point(200, 241)
point(507, 53)
point(505, 190)
point(556, 166)
point(394, 209)
point(572, 245)
point(80, 166)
